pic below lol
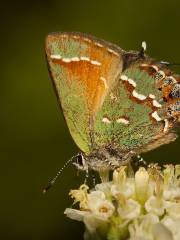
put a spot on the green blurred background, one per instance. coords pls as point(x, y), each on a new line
point(34, 140)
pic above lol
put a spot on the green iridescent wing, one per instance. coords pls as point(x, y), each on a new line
point(134, 114)
point(83, 70)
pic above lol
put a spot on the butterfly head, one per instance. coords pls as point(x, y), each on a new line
point(80, 162)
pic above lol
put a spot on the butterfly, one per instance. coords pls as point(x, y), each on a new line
point(116, 103)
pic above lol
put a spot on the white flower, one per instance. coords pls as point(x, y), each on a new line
point(141, 184)
point(99, 206)
point(173, 225)
point(75, 214)
point(94, 196)
point(80, 195)
point(155, 205)
point(144, 206)
point(161, 232)
point(128, 190)
point(141, 228)
point(120, 184)
point(119, 176)
point(130, 210)
point(168, 175)
point(172, 193)
point(91, 221)
point(105, 188)
point(173, 210)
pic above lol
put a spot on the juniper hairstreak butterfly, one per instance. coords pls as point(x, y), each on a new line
point(117, 104)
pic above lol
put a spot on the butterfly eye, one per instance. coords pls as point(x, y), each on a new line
point(79, 160)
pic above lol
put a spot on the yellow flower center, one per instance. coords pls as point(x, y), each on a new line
point(103, 209)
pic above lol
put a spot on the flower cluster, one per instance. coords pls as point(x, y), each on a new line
point(143, 206)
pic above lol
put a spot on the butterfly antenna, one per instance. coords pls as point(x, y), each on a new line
point(52, 182)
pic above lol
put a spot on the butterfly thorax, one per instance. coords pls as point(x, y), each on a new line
point(105, 158)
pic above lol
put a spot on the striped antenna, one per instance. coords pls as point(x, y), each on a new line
point(52, 182)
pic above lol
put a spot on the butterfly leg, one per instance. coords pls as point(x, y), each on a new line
point(139, 161)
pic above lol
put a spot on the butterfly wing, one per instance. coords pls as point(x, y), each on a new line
point(134, 115)
point(83, 70)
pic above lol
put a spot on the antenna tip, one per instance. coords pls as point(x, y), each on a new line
point(44, 191)
point(46, 188)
